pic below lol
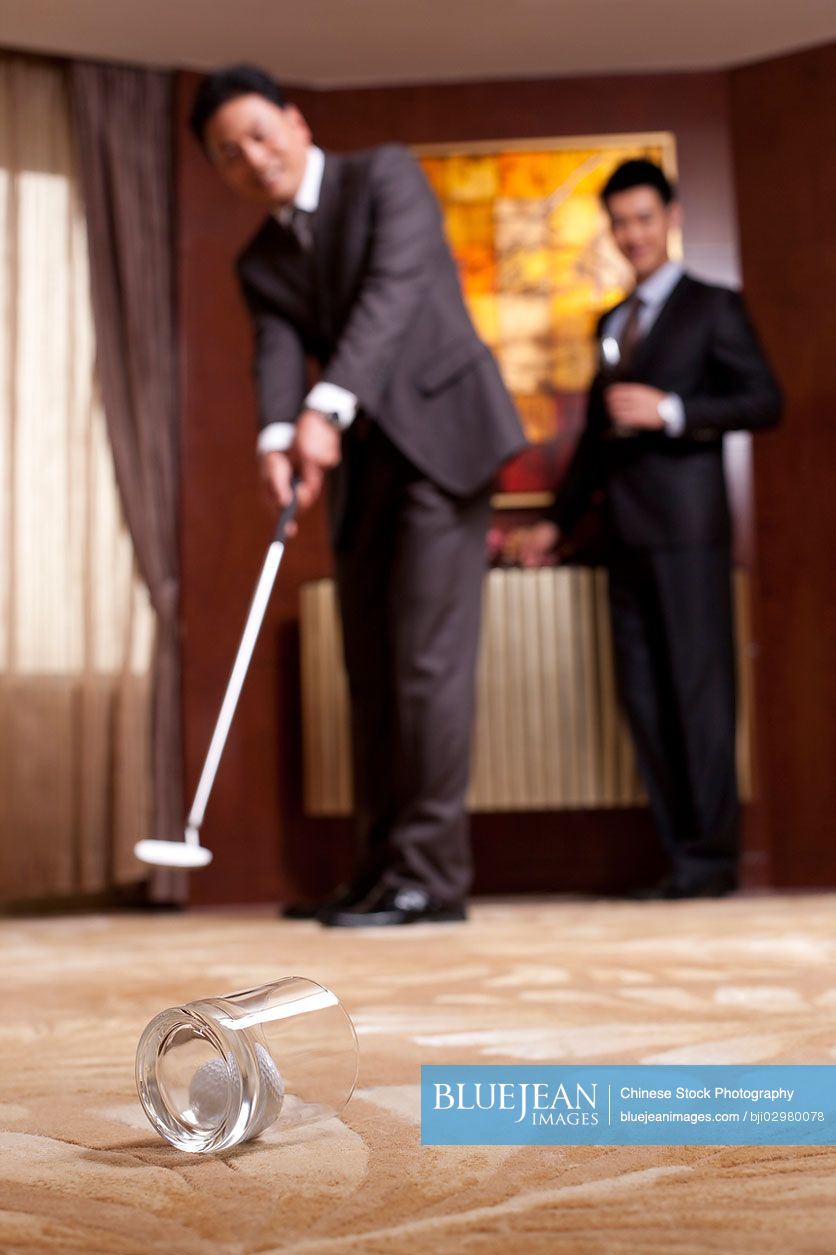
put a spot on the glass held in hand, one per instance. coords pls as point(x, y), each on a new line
point(220, 1071)
point(609, 358)
point(609, 368)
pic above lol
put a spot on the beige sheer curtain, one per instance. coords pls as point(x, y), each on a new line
point(76, 627)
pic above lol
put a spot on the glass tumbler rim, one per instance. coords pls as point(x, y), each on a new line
point(218, 1021)
point(166, 1119)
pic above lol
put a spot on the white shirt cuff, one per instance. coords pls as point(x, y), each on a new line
point(275, 438)
point(672, 414)
point(330, 398)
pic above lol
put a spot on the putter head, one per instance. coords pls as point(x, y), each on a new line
point(185, 854)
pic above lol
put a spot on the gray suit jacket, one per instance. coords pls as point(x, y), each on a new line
point(378, 306)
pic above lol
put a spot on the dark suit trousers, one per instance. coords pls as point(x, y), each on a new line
point(410, 563)
point(673, 639)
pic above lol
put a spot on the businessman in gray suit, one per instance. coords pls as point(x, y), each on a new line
point(410, 421)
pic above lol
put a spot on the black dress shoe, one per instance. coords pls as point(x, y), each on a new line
point(342, 897)
point(386, 906)
point(676, 889)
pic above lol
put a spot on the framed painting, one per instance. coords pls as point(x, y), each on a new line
point(538, 267)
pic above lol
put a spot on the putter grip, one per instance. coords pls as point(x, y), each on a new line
point(287, 514)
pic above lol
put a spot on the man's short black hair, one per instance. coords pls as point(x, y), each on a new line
point(639, 173)
point(225, 84)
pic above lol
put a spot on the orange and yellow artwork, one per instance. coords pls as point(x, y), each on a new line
point(538, 268)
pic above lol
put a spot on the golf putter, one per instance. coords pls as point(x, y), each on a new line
point(189, 853)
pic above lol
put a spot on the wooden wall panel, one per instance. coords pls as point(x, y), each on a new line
point(783, 115)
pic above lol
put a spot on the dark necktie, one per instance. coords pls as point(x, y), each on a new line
point(631, 333)
point(301, 226)
point(628, 342)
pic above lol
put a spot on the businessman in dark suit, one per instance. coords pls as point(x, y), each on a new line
point(351, 272)
point(681, 366)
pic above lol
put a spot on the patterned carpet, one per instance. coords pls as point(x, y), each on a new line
point(742, 981)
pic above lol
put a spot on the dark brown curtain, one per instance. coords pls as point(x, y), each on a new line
point(124, 128)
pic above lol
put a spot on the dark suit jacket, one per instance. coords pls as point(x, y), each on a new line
point(666, 490)
point(380, 309)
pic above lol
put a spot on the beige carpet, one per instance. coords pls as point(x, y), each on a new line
point(752, 980)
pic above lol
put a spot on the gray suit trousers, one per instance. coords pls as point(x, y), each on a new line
point(410, 562)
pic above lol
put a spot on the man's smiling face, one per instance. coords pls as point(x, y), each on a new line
point(640, 222)
point(259, 149)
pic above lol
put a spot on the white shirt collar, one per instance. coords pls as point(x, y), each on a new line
point(307, 196)
point(656, 288)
